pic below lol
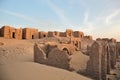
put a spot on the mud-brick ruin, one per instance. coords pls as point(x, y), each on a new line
point(28, 33)
point(10, 32)
point(75, 37)
point(103, 55)
point(103, 61)
point(68, 49)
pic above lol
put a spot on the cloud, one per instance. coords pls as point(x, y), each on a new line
point(85, 20)
point(110, 17)
point(18, 15)
point(82, 3)
point(36, 23)
point(87, 26)
point(59, 12)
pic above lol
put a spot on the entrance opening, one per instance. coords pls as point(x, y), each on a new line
point(32, 36)
point(66, 50)
point(13, 34)
point(81, 36)
point(55, 33)
point(44, 35)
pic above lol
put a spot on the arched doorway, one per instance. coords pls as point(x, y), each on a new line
point(66, 50)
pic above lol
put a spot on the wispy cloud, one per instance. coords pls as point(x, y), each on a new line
point(18, 15)
point(59, 12)
point(87, 26)
point(109, 18)
point(85, 20)
point(36, 23)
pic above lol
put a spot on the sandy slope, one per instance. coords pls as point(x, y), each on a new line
point(78, 61)
point(16, 63)
point(15, 51)
point(35, 71)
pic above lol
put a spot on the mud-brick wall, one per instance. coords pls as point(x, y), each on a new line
point(29, 33)
point(0, 32)
point(118, 49)
point(99, 64)
point(18, 33)
point(6, 32)
point(78, 34)
point(10, 32)
point(62, 34)
point(94, 64)
point(53, 34)
point(76, 42)
point(43, 34)
point(69, 33)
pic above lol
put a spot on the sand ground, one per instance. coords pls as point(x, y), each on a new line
point(16, 63)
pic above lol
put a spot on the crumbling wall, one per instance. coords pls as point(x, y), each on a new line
point(39, 54)
point(62, 34)
point(29, 33)
point(113, 50)
point(10, 32)
point(69, 33)
point(78, 34)
point(60, 55)
point(69, 47)
point(118, 49)
point(102, 58)
point(18, 34)
point(86, 43)
point(64, 40)
point(99, 63)
point(53, 34)
point(76, 42)
point(51, 55)
point(88, 37)
point(58, 58)
point(113, 53)
point(43, 34)
point(94, 64)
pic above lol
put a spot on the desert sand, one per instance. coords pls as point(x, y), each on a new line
point(35, 71)
point(16, 63)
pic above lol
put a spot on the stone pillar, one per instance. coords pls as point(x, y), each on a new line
point(99, 64)
point(105, 69)
point(113, 53)
point(94, 67)
point(118, 49)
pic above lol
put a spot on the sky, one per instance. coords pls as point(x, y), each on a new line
point(99, 18)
